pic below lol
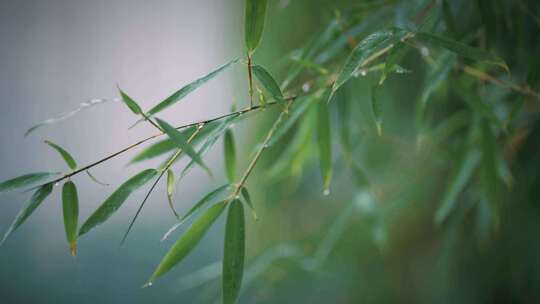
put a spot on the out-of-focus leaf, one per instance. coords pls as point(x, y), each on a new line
point(461, 49)
point(475, 102)
point(324, 141)
point(255, 11)
point(70, 203)
point(36, 199)
point(370, 46)
point(489, 176)
point(299, 107)
point(188, 241)
point(72, 164)
point(449, 19)
point(437, 75)
point(130, 103)
point(26, 180)
point(230, 155)
point(206, 199)
point(182, 143)
point(247, 198)
point(115, 200)
point(170, 191)
point(233, 252)
point(376, 108)
point(458, 181)
point(489, 19)
point(268, 82)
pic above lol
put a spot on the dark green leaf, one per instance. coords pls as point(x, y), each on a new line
point(449, 19)
point(247, 199)
point(132, 105)
point(489, 173)
point(324, 141)
point(206, 199)
point(461, 49)
point(188, 241)
point(65, 155)
point(230, 155)
point(170, 191)
point(26, 180)
point(233, 252)
point(268, 82)
point(254, 23)
point(115, 200)
point(70, 203)
point(36, 199)
point(182, 143)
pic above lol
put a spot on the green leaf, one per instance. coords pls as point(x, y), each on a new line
point(36, 199)
point(26, 180)
point(94, 179)
point(475, 102)
point(65, 155)
point(461, 49)
point(254, 23)
point(268, 82)
point(115, 200)
point(70, 203)
point(391, 64)
point(449, 19)
point(367, 48)
point(170, 191)
point(182, 143)
point(247, 199)
point(130, 103)
point(206, 199)
point(299, 107)
point(184, 91)
point(376, 108)
point(489, 172)
point(188, 241)
point(230, 155)
point(324, 141)
point(234, 252)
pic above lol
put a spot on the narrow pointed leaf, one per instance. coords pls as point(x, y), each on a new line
point(181, 142)
point(254, 23)
point(72, 164)
point(184, 91)
point(200, 204)
point(230, 155)
point(234, 252)
point(94, 179)
point(37, 198)
point(26, 180)
point(461, 49)
point(324, 141)
point(489, 173)
point(247, 199)
point(170, 190)
point(130, 103)
point(188, 241)
point(70, 204)
point(268, 82)
point(115, 200)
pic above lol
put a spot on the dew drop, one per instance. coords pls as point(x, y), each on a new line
point(363, 72)
point(200, 126)
point(424, 51)
point(326, 192)
point(237, 197)
point(56, 184)
point(306, 87)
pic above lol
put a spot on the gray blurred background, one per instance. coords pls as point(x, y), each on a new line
point(56, 54)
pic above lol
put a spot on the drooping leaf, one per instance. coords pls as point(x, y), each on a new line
point(26, 180)
point(268, 82)
point(72, 164)
point(37, 198)
point(70, 203)
point(247, 198)
point(324, 141)
point(184, 91)
point(182, 143)
point(200, 204)
point(170, 191)
point(461, 49)
point(230, 155)
point(376, 108)
point(94, 179)
point(363, 52)
point(130, 103)
point(233, 252)
point(255, 11)
point(115, 200)
point(299, 107)
point(188, 241)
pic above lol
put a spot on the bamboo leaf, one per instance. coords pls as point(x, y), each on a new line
point(475, 102)
point(370, 46)
point(461, 49)
point(230, 155)
point(268, 82)
point(37, 198)
point(489, 173)
point(324, 141)
point(376, 108)
point(449, 19)
point(170, 191)
point(70, 203)
point(233, 252)
point(188, 241)
point(115, 200)
point(130, 103)
point(26, 180)
point(72, 164)
point(200, 204)
point(247, 199)
point(254, 23)
point(182, 143)
point(94, 179)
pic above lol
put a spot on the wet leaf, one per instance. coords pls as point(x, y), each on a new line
point(230, 155)
point(115, 200)
point(324, 141)
point(26, 180)
point(70, 203)
point(234, 252)
point(255, 11)
point(72, 164)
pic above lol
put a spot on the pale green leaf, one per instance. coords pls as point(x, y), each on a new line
point(324, 141)
point(170, 191)
point(26, 180)
point(230, 155)
point(72, 164)
point(70, 204)
point(233, 252)
point(255, 13)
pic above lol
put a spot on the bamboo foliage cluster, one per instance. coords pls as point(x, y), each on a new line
point(304, 113)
